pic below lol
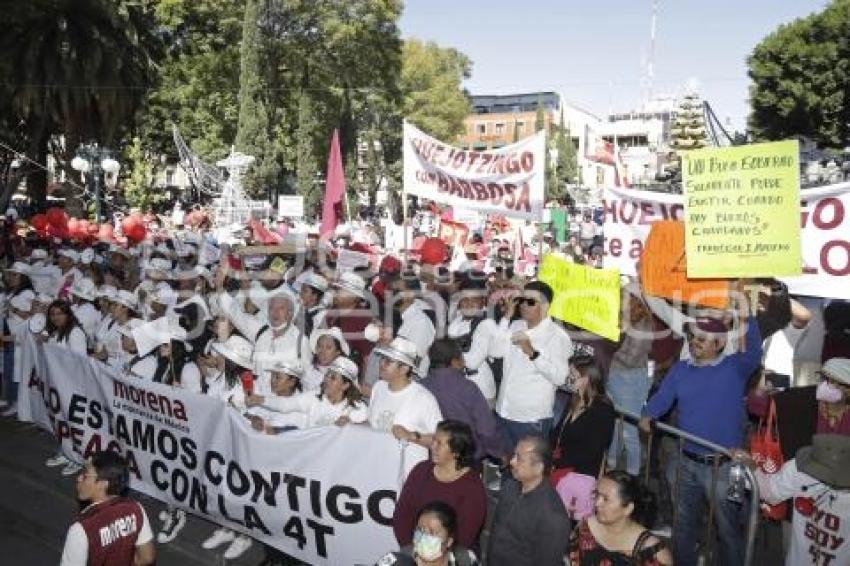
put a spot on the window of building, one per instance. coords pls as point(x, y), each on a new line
point(481, 129)
point(169, 177)
point(500, 128)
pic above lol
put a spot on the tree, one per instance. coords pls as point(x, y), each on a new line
point(540, 116)
point(252, 134)
point(431, 78)
point(79, 70)
point(801, 79)
point(307, 165)
point(138, 183)
point(567, 158)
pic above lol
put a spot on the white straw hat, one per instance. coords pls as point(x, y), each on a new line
point(334, 333)
point(401, 350)
point(236, 349)
point(346, 368)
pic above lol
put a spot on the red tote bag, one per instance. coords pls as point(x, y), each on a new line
point(767, 453)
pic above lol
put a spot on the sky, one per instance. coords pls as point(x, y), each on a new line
point(594, 52)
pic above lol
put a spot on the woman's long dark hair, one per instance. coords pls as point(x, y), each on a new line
point(61, 334)
point(169, 370)
point(595, 391)
point(24, 284)
point(232, 373)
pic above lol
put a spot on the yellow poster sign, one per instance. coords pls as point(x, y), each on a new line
point(586, 297)
point(742, 210)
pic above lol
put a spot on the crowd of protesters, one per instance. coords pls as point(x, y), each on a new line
point(461, 361)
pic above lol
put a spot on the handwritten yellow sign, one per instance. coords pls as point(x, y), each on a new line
point(586, 297)
point(742, 210)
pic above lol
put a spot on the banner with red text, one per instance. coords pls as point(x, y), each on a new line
point(324, 495)
point(507, 181)
point(824, 225)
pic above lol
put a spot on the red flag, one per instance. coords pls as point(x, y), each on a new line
point(262, 234)
point(334, 189)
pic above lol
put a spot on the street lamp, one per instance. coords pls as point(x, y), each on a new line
point(97, 160)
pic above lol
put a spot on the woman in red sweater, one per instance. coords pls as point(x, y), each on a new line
point(448, 477)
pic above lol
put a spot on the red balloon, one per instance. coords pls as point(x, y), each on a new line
point(136, 233)
point(57, 217)
point(106, 232)
point(39, 222)
point(73, 227)
point(433, 251)
point(57, 231)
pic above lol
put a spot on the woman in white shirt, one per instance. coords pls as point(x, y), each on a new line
point(17, 309)
point(338, 402)
point(326, 344)
point(63, 329)
point(176, 366)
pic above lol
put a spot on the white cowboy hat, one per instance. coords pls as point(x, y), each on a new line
point(157, 332)
point(20, 268)
point(108, 292)
point(346, 368)
point(403, 351)
point(128, 328)
point(351, 283)
point(334, 333)
point(236, 349)
point(315, 281)
point(286, 366)
point(127, 299)
point(70, 254)
point(84, 289)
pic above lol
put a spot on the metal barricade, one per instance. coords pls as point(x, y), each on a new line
point(682, 436)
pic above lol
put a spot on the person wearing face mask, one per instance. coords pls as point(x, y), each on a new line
point(433, 541)
point(476, 335)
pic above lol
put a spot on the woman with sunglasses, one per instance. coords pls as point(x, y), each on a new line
point(616, 534)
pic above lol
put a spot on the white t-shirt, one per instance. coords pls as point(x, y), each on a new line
point(414, 407)
point(76, 551)
point(318, 412)
point(822, 538)
point(76, 341)
point(779, 350)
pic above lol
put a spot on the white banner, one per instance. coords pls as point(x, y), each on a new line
point(507, 181)
point(324, 495)
point(290, 206)
point(824, 222)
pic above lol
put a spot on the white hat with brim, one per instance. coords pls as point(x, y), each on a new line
point(38, 254)
point(838, 369)
point(403, 351)
point(70, 254)
point(286, 366)
point(316, 281)
point(236, 349)
point(128, 328)
point(106, 292)
point(352, 283)
point(20, 268)
point(126, 299)
point(334, 333)
point(84, 289)
point(156, 333)
point(346, 368)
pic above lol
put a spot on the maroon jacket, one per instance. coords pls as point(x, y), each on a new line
point(112, 528)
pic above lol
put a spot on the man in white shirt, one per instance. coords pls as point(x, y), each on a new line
point(401, 406)
point(536, 354)
point(277, 335)
point(112, 529)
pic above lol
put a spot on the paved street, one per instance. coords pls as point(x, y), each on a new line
point(37, 505)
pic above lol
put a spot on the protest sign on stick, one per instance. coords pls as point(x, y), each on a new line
point(742, 210)
point(663, 269)
point(586, 297)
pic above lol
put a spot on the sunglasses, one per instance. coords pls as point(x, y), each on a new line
point(527, 300)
